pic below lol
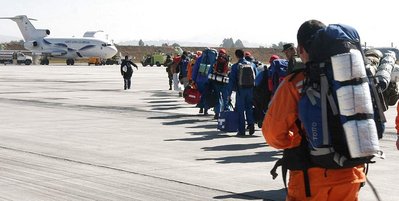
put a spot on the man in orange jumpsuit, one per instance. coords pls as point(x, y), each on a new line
point(281, 131)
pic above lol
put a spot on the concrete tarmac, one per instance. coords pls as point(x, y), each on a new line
point(73, 133)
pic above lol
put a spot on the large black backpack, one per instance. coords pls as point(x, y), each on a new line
point(246, 75)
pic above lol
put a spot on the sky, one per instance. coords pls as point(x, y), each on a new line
point(209, 21)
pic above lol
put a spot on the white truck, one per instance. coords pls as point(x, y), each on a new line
point(8, 57)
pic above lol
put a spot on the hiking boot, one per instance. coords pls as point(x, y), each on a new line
point(260, 124)
point(201, 110)
point(251, 128)
point(239, 134)
point(170, 88)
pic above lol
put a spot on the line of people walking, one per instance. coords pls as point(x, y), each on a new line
point(213, 73)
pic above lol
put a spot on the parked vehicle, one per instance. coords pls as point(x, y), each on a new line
point(8, 57)
point(95, 60)
point(157, 59)
point(114, 60)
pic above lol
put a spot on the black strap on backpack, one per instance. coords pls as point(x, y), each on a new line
point(296, 158)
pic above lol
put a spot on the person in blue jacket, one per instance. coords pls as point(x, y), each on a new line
point(242, 81)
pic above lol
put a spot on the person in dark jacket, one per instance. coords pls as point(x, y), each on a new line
point(127, 71)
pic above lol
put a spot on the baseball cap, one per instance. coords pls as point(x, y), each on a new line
point(288, 46)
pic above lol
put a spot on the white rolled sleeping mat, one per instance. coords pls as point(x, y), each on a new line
point(384, 71)
point(218, 78)
point(395, 73)
point(355, 104)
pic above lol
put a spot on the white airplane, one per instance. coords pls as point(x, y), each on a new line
point(69, 48)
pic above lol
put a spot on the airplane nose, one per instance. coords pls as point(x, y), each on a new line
point(111, 51)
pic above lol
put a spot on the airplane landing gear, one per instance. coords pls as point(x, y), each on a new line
point(70, 62)
point(44, 61)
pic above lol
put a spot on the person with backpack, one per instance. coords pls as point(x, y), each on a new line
point(262, 94)
point(242, 81)
point(283, 128)
point(277, 71)
point(183, 69)
point(219, 80)
point(190, 66)
point(383, 67)
point(200, 75)
point(174, 69)
point(127, 72)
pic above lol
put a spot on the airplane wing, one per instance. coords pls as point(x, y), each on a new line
point(52, 52)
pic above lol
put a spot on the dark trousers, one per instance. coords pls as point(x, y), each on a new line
point(127, 82)
point(170, 76)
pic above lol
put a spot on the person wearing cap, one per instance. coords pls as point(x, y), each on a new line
point(294, 62)
point(202, 82)
point(175, 70)
point(290, 52)
point(248, 56)
point(244, 94)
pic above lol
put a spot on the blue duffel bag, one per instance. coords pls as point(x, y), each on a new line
point(228, 121)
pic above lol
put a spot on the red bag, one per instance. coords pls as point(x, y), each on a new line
point(191, 96)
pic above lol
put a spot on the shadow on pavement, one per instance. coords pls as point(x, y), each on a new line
point(163, 101)
point(173, 116)
point(204, 135)
point(235, 147)
point(257, 157)
point(271, 195)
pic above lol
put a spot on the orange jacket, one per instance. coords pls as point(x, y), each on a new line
point(280, 131)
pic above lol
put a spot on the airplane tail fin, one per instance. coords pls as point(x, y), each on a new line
point(29, 32)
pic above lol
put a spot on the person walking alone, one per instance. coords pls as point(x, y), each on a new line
point(127, 72)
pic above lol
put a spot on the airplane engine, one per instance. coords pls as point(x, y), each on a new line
point(30, 44)
point(42, 32)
